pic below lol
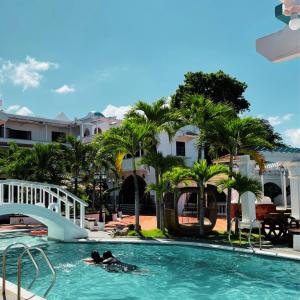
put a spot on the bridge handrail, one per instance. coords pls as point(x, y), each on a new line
point(44, 185)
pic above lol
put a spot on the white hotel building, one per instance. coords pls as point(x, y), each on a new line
point(27, 131)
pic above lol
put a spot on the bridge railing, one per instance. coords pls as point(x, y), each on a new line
point(50, 196)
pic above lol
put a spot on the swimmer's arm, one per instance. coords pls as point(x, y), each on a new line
point(88, 261)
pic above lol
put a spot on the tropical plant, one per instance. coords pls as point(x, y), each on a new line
point(76, 158)
point(201, 111)
point(219, 87)
point(200, 172)
point(161, 118)
point(242, 184)
point(235, 136)
point(129, 139)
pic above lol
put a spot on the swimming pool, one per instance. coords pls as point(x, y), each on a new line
point(169, 272)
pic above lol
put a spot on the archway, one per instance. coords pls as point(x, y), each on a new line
point(126, 195)
point(86, 132)
point(272, 190)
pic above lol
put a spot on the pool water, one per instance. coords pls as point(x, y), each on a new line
point(167, 272)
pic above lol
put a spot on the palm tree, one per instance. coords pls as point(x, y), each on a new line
point(201, 111)
point(129, 139)
point(235, 136)
point(162, 118)
point(201, 173)
point(76, 157)
point(46, 163)
point(242, 184)
point(161, 164)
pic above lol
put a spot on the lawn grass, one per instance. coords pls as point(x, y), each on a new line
point(152, 233)
point(213, 237)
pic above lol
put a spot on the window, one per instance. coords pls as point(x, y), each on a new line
point(18, 134)
point(97, 130)
point(180, 148)
point(58, 136)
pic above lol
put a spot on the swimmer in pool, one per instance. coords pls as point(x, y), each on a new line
point(109, 262)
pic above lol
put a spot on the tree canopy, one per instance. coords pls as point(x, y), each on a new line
point(218, 87)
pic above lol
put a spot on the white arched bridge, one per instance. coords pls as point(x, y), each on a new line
point(50, 204)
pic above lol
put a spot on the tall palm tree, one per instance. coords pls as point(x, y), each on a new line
point(129, 139)
point(161, 164)
point(162, 118)
point(76, 157)
point(235, 136)
point(201, 111)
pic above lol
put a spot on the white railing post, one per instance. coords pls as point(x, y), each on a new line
point(74, 211)
point(13, 193)
point(9, 192)
point(35, 195)
point(18, 194)
point(22, 193)
point(82, 215)
point(1, 194)
point(26, 196)
point(67, 209)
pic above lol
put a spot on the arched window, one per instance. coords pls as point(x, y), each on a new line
point(97, 130)
point(86, 132)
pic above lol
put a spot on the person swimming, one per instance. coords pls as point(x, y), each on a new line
point(109, 262)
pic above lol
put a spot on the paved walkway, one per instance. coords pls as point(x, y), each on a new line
point(149, 222)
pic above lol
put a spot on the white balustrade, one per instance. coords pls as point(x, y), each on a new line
point(36, 193)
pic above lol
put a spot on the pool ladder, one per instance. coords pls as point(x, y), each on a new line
point(27, 250)
point(251, 225)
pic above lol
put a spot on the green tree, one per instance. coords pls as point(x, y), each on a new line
point(129, 139)
point(201, 173)
point(218, 87)
point(201, 111)
point(235, 136)
point(161, 118)
point(46, 163)
point(242, 184)
point(161, 164)
point(76, 157)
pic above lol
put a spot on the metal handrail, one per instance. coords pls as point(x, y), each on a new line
point(250, 232)
point(49, 265)
point(26, 250)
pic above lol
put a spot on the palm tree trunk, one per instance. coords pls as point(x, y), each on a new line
point(201, 210)
point(157, 203)
point(228, 200)
point(136, 196)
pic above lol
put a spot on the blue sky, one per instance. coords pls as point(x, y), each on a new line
point(81, 55)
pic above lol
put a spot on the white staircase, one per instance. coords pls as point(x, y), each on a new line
point(50, 204)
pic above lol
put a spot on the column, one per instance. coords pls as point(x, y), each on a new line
point(294, 176)
point(247, 168)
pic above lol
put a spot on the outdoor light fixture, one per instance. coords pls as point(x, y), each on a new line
point(294, 22)
point(284, 44)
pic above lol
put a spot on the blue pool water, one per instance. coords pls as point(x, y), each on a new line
point(168, 272)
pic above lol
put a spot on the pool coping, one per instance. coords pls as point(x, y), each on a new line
point(256, 251)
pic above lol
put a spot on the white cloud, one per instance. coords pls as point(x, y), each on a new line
point(65, 89)
point(115, 111)
point(26, 74)
point(277, 120)
point(19, 110)
point(293, 136)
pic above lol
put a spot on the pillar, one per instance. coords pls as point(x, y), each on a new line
point(247, 168)
point(294, 176)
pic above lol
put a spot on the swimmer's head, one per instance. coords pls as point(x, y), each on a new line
point(96, 257)
point(107, 254)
